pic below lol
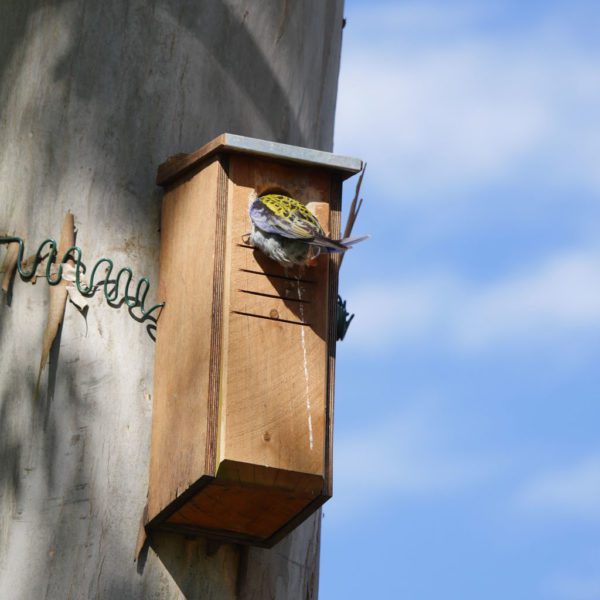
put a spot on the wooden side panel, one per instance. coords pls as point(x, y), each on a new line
point(334, 265)
point(183, 345)
point(274, 385)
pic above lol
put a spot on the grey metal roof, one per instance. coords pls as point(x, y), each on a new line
point(230, 142)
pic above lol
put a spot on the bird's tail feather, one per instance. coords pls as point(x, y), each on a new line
point(329, 245)
point(350, 241)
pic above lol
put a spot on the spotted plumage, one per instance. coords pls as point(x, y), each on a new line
point(287, 232)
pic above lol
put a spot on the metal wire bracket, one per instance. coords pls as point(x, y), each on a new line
point(343, 319)
point(111, 287)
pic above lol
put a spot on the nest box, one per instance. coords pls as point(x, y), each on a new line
point(245, 350)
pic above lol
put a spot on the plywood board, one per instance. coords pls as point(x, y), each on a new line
point(252, 502)
point(183, 348)
point(274, 385)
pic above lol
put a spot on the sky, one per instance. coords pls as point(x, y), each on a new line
point(467, 422)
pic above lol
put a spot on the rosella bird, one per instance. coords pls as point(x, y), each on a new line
point(287, 232)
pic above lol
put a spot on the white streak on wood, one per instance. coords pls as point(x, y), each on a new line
point(305, 359)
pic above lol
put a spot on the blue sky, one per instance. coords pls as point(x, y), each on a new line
point(467, 434)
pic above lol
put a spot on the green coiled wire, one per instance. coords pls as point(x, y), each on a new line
point(111, 287)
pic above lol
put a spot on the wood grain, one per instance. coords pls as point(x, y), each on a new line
point(183, 344)
point(244, 364)
point(253, 500)
point(179, 165)
point(217, 308)
point(274, 408)
point(334, 265)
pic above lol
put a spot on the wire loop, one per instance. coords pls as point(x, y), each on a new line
point(110, 287)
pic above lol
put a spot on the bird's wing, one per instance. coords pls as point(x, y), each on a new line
point(285, 216)
point(302, 226)
point(263, 217)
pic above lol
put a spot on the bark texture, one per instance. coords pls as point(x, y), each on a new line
point(93, 97)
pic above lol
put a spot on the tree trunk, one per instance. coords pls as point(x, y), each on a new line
point(94, 96)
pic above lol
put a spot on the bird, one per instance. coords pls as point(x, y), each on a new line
point(289, 233)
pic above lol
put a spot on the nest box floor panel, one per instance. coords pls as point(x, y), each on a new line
point(255, 502)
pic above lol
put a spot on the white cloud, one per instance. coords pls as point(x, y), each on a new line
point(562, 294)
point(541, 303)
point(438, 109)
point(407, 455)
point(388, 312)
point(571, 491)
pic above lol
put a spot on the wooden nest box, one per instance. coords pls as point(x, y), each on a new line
point(245, 350)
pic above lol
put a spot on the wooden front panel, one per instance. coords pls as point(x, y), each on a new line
point(183, 345)
point(274, 382)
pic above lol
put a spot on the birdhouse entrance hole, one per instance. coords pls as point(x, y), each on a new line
point(272, 190)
